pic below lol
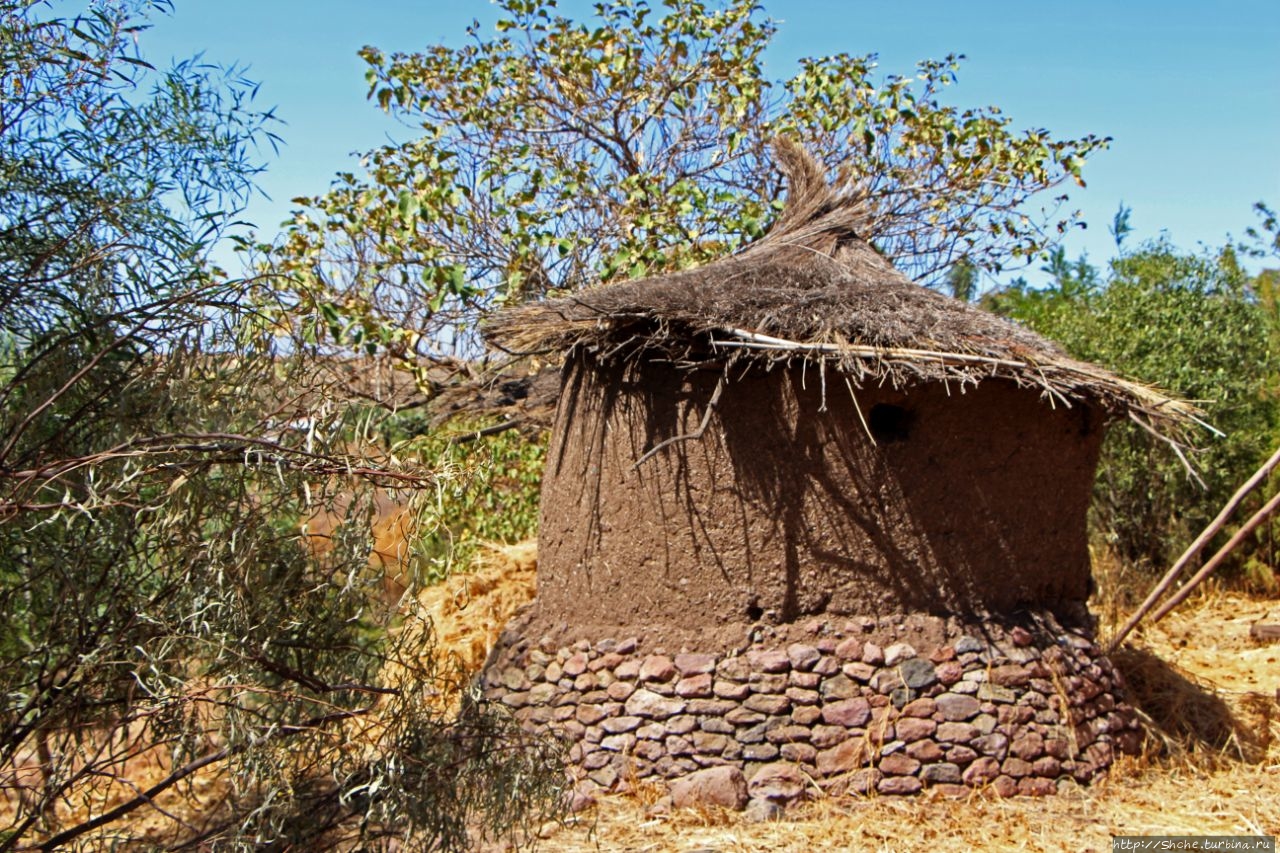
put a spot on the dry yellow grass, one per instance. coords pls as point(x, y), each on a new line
point(1135, 801)
point(469, 609)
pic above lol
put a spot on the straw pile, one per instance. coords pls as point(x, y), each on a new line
point(469, 609)
point(812, 290)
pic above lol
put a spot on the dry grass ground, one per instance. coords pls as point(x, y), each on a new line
point(1207, 690)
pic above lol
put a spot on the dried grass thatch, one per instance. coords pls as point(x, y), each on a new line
point(812, 290)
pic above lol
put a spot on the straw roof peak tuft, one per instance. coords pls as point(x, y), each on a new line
point(818, 216)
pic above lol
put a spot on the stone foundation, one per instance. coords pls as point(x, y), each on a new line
point(858, 705)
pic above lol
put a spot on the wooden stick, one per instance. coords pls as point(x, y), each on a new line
point(1223, 552)
point(698, 433)
point(1194, 550)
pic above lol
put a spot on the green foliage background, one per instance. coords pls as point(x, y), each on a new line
point(1194, 325)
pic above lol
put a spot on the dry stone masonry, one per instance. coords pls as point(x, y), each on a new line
point(1018, 708)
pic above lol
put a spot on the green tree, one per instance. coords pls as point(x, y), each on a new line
point(1190, 324)
point(962, 280)
point(557, 154)
point(159, 450)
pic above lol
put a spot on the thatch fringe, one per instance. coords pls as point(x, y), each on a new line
point(813, 290)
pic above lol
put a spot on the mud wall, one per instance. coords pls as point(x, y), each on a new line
point(968, 501)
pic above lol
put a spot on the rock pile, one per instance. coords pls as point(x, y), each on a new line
point(1019, 708)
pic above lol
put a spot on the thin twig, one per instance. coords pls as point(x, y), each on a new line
point(181, 773)
point(698, 433)
point(865, 427)
point(487, 431)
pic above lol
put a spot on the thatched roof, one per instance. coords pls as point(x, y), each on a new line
point(812, 289)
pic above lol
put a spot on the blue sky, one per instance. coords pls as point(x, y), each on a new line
point(1190, 91)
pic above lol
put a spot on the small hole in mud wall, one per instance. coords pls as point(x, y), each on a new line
point(889, 423)
point(754, 612)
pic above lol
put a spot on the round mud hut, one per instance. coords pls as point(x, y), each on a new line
point(802, 517)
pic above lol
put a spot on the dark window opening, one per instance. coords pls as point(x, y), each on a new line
point(889, 423)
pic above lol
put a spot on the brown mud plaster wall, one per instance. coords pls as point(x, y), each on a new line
point(1021, 708)
point(972, 500)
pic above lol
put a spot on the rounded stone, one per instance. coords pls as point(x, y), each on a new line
point(619, 725)
point(843, 758)
point(656, 668)
point(859, 671)
point(909, 729)
point(1036, 787)
point(760, 752)
point(731, 689)
point(949, 672)
point(956, 707)
point(956, 733)
point(1004, 786)
point(695, 664)
point(767, 703)
point(645, 703)
point(619, 691)
point(734, 669)
point(771, 660)
point(827, 736)
point(806, 715)
point(925, 751)
point(1016, 768)
point(899, 764)
point(941, 773)
point(807, 680)
point(850, 649)
point(800, 753)
point(920, 708)
point(576, 664)
point(802, 656)
point(897, 653)
point(715, 786)
point(838, 687)
point(899, 785)
point(981, 772)
point(618, 743)
point(847, 712)
point(694, 686)
point(1027, 745)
